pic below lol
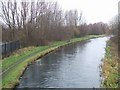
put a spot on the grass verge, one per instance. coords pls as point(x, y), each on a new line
point(11, 77)
point(110, 66)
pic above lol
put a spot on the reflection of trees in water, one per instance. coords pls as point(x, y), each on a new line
point(32, 75)
point(81, 46)
point(51, 58)
point(72, 48)
point(37, 72)
point(61, 54)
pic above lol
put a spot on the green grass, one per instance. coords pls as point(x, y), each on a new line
point(11, 77)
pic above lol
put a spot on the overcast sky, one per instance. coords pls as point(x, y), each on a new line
point(93, 10)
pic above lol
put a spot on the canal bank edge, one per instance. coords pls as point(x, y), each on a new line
point(110, 66)
point(11, 79)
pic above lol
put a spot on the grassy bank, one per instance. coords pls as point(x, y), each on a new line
point(110, 66)
point(20, 61)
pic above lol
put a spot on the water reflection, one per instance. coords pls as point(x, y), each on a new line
point(74, 66)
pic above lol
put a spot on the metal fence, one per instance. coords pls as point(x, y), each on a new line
point(9, 47)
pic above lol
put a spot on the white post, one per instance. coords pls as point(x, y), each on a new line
point(119, 11)
point(1, 56)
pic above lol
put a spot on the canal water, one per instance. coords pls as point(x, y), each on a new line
point(74, 66)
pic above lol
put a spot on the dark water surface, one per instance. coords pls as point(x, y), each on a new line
point(73, 66)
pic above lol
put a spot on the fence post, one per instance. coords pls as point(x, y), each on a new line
point(10, 47)
point(18, 45)
point(5, 49)
point(15, 45)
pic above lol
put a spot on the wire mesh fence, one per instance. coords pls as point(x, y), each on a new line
point(9, 47)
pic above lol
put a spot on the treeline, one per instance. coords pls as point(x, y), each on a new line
point(41, 22)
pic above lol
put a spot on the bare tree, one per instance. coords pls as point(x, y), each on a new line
point(40, 22)
point(9, 15)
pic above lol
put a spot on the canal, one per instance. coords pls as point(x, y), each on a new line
point(74, 66)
